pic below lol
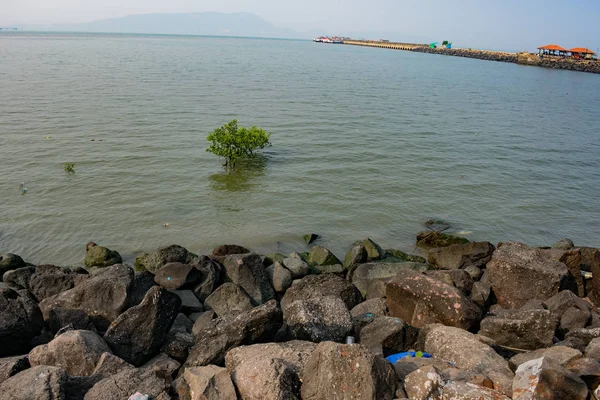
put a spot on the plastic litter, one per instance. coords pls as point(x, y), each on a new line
point(139, 396)
point(349, 339)
point(407, 354)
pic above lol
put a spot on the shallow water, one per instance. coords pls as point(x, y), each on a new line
point(366, 142)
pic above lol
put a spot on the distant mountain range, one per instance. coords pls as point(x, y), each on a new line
point(205, 23)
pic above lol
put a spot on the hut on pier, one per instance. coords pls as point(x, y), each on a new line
point(581, 53)
point(552, 50)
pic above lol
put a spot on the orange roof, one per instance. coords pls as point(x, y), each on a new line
point(581, 50)
point(552, 47)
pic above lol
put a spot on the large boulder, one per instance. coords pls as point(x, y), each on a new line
point(59, 318)
point(523, 329)
point(337, 371)
point(376, 307)
point(142, 282)
point(419, 300)
point(99, 256)
point(209, 382)
point(248, 271)
point(466, 351)
point(109, 365)
point(321, 256)
point(280, 277)
point(18, 279)
point(366, 274)
point(77, 352)
point(9, 261)
point(519, 273)
point(356, 255)
point(219, 335)
point(388, 335)
point(154, 261)
point(297, 267)
point(561, 354)
point(266, 379)
point(227, 298)
point(544, 378)
point(431, 239)
point(461, 256)
point(177, 275)
point(126, 383)
point(318, 319)
point(20, 321)
point(211, 277)
point(11, 366)
point(41, 382)
point(179, 340)
point(313, 286)
point(103, 296)
point(422, 383)
point(374, 251)
point(49, 280)
point(573, 311)
point(137, 334)
point(229, 249)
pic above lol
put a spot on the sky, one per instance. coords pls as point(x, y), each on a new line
point(493, 24)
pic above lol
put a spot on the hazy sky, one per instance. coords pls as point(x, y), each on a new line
point(501, 24)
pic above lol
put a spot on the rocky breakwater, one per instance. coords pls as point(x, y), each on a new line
point(499, 322)
point(469, 53)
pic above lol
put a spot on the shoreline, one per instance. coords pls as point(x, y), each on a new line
point(528, 59)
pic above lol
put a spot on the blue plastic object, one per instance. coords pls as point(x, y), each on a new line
point(407, 354)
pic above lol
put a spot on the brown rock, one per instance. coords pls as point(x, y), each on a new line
point(41, 382)
point(109, 364)
point(388, 335)
point(228, 297)
point(11, 366)
point(422, 383)
point(266, 379)
point(177, 275)
point(209, 382)
point(127, 382)
point(247, 271)
point(366, 275)
point(561, 354)
point(543, 378)
point(228, 249)
point(313, 286)
point(461, 256)
point(376, 306)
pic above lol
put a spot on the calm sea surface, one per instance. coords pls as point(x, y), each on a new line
point(366, 142)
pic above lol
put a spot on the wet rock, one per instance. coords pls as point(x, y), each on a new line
point(280, 277)
point(561, 354)
point(59, 318)
point(387, 335)
point(481, 294)
point(104, 296)
point(177, 275)
point(297, 267)
point(137, 334)
point(20, 321)
point(545, 379)
point(376, 306)
point(154, 261)
point(467, 391)
point(519, 273)
point(40, 383)
point(318, 319)
point(461, 256)
point(142, 282)
point(356, 255)
point(99, 256)
point(209, 382)
point(11, 366)
point(164, 366)
point(189, 301)
point(374, 252)
point(529, 330)
point(247, 270)
point(49, 280)
point(309, 238)
point(367, 274)
point(321, 256)
point(466, 351)
point(420, 300)
point(211, 277)
point(433, 239)
point(9, 261)
point(272, 258)
point(336, 371)
point(224, 333)
point(126, 383)
point(563, 244)
point(229, 249)
point(227, 298)
point(422, 383)
point(395, 255)
point(77, 352)
point(18, 278)
point(264, 379)
point(313, 286)
point(109, 364)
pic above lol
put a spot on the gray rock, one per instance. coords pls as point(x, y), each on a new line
point(224, 333)
point(561, 354)
point(227, 298)
point(481, 294)
point(280, 277)
point(247, 270)
point(321, 256)
point(137, 334)
point(318, 319)
point(18, 278)
point(264, 379)
point(98, 256)
point(49, 280)
point(297, 267)
point(584, 334)
point(563, 244)
point(519, 273)
point(40, 383)
point(164, 366)
point(466, 351)
point(11, 366)
point(203, 320)
point(529, 330)
point(405, 366)
point(375, 306)
point(573, 311)
point(126, 383)
point(461, 256)
point(229, 249)
point(20, 321)
point(422, 383)
point(9, 261)
point(467, 391)
point(177, 275)
point(388, 335)
point(210, 382)
point(356, 255)
point(456, 277)
point(104, 296)
point(344, 372)
point(162, 256)
point(211, 277)
point(109, 365)
point(587, 369)
point(177, 344)
point(77, 352)
point(142, 282)
point(420, 300)
point(366, 274)
point(59, 318)
point(593, 349)
point(474, 272)
point(543, 378)
point(312, 286)
point(189, 301)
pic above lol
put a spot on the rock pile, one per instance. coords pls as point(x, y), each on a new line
point(494, 322)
